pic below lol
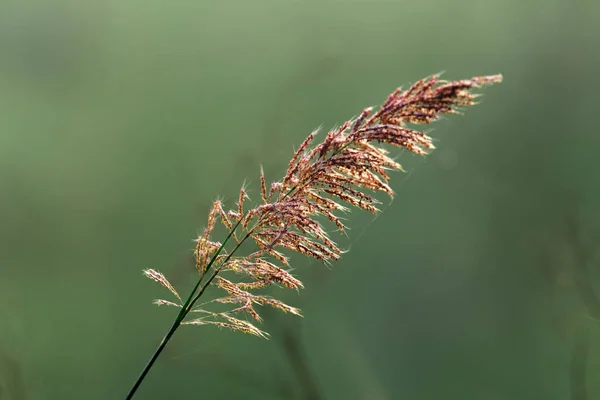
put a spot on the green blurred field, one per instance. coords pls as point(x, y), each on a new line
point(121, 121)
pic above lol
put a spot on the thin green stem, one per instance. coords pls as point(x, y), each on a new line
point(216, 272)
point(194, 297)
point(152, 360)
point(185, 309)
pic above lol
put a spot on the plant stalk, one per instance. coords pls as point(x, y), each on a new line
point(194, 297)
point(185, 309)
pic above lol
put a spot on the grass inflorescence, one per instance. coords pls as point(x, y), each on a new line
point(323, 180)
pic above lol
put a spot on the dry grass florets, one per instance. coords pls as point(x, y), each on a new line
point(322, 179)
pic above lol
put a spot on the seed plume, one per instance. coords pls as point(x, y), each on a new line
point(323, 180)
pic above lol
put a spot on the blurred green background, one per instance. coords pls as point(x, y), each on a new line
point(121, 121)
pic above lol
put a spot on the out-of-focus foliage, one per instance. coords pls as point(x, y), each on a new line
point(121, 121)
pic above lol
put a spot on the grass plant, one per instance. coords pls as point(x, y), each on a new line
point(323, 181)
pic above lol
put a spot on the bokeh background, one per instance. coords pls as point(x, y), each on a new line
point(121, 121)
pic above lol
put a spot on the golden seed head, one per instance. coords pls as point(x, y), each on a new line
point(346, 169)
